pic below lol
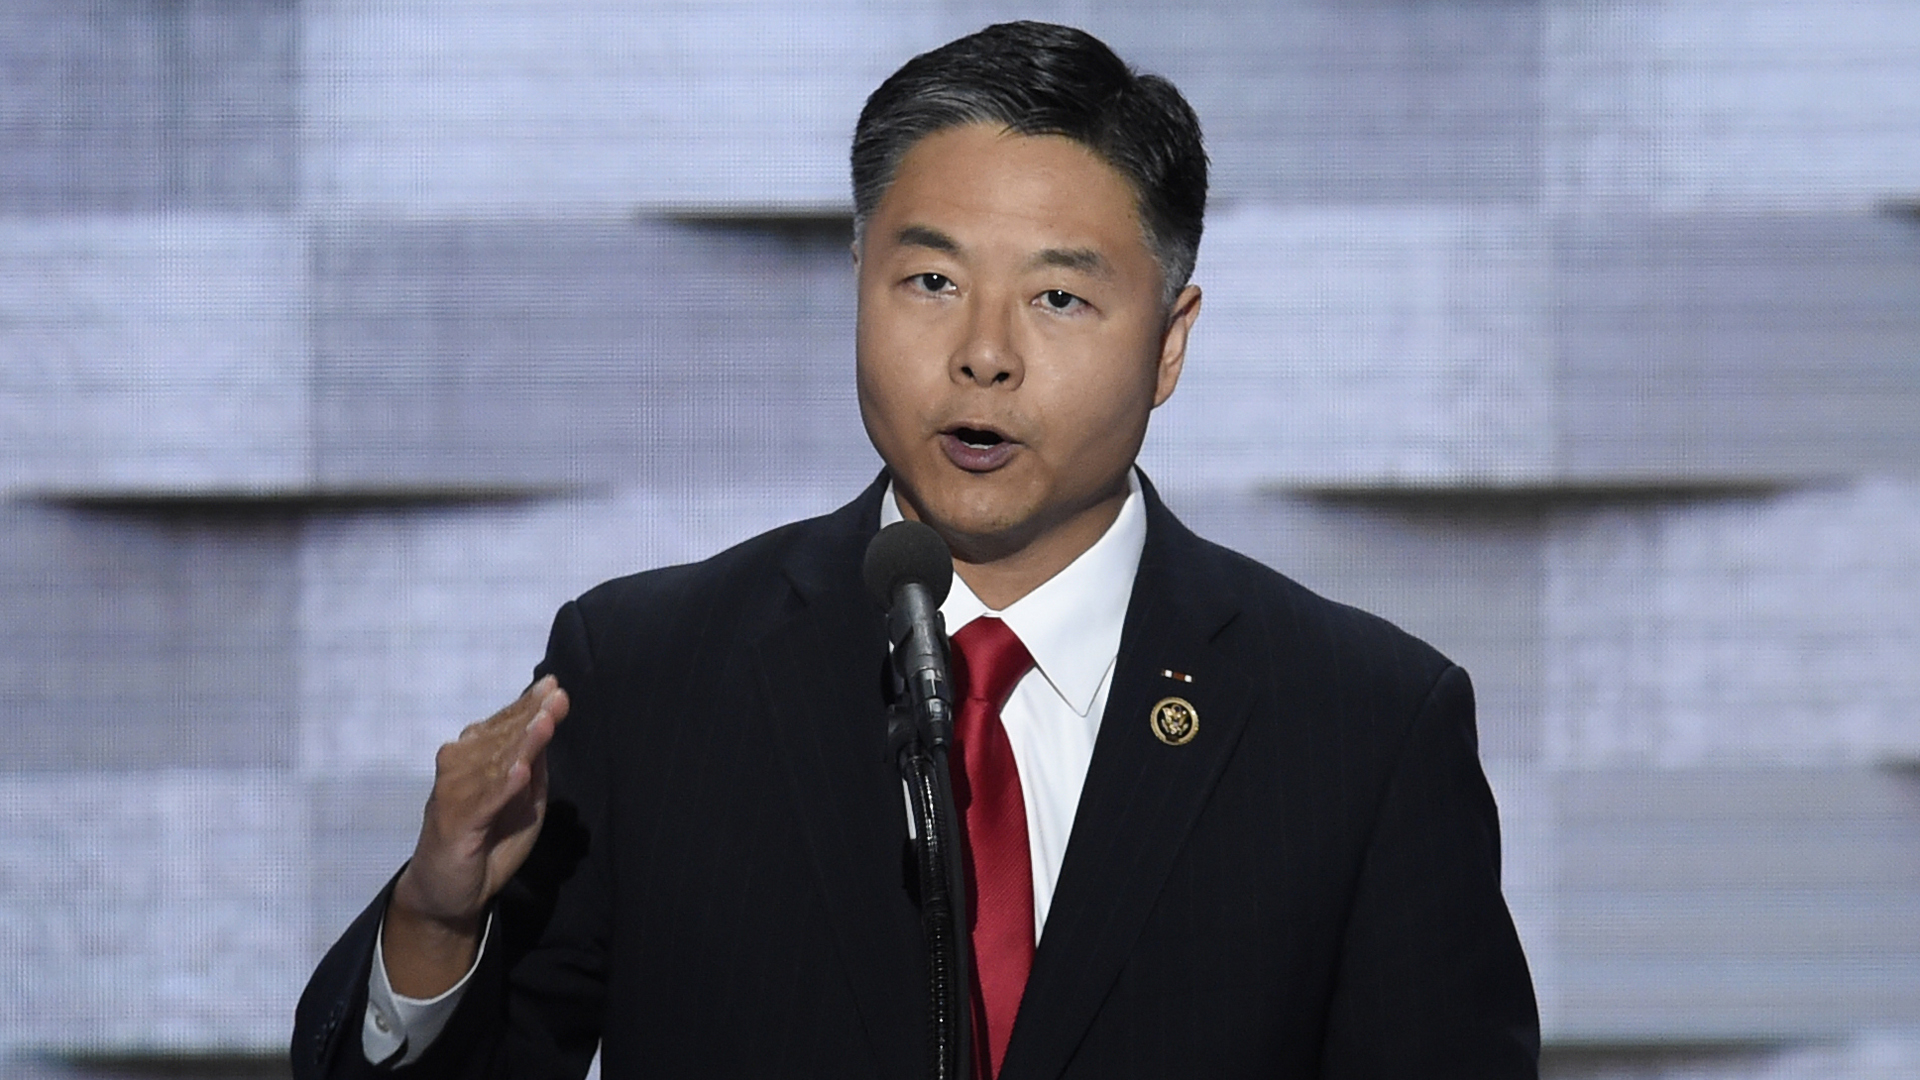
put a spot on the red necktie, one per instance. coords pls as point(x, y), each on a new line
point(988, 660)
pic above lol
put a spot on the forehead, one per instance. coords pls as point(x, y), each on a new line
point(986, 178)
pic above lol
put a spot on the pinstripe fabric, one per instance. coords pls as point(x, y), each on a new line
point(1308, 888)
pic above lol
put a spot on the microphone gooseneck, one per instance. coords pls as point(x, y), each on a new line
point(908, 571)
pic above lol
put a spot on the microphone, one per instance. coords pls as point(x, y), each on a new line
point(908, 570)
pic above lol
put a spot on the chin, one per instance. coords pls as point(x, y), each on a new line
point(986, 532)
point(950, 507)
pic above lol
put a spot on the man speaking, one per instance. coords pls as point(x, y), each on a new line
point(1215, 825)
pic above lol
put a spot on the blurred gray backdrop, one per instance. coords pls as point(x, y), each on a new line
point(342, 340)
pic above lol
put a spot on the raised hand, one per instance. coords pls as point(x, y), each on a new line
point(489, 800)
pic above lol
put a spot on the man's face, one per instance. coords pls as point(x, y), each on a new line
point(1012, 337)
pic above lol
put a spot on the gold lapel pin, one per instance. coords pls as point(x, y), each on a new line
point(1174, 721)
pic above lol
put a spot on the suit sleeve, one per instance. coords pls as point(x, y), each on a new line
point(533, 1004)
point(1432, 981)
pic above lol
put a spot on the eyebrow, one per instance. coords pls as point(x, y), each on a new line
point(1085, 260)
point(923, 236)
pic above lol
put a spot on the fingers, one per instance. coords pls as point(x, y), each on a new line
point(519, 710)
point(513, 741)
point(491, 762)
point(511, 747)
point(489, 796)
point(546, 717)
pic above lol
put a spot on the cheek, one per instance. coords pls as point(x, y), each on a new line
point(876, 399)
point(891, 395)
point(1111, 390)
point(899, 358)
point(876, 366)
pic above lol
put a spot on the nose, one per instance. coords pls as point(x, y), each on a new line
point(988, 355)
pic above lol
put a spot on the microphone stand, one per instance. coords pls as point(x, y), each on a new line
point(919, 734)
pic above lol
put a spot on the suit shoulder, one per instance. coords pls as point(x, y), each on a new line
point(731, 583)
point(1357, 640)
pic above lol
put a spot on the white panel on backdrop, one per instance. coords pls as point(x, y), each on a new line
point(1364, 346)
point(160, 353)
point(148, 911)
point(436, 108)
point(1717, 104)
point(1779, 630)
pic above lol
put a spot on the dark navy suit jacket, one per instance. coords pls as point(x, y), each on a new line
point(1308, 888)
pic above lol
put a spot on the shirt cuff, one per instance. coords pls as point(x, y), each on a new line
point(398, 1029)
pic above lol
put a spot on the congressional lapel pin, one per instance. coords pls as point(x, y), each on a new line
point(1175, 721)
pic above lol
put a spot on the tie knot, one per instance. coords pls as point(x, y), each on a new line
point(988, 659)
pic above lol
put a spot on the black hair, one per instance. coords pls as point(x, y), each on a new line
point(1043, 79)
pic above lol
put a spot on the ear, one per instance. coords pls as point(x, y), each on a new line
point(1173, 343)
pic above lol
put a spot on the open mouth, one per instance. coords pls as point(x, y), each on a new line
point(975, 449)
point(978, 438)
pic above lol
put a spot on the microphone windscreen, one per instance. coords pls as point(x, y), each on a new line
point(907, 551)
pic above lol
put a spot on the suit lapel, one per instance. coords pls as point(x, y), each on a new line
point(1141, 796)
point(822, 663)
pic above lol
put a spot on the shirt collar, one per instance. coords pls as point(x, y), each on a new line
point(1071, 624)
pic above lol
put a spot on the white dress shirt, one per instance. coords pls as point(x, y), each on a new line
point(1070, 625)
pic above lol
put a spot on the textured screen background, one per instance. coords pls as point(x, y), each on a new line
point(342, 341)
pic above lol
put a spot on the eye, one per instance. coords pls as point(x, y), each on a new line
point(1060, 300)
point(931, 282)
